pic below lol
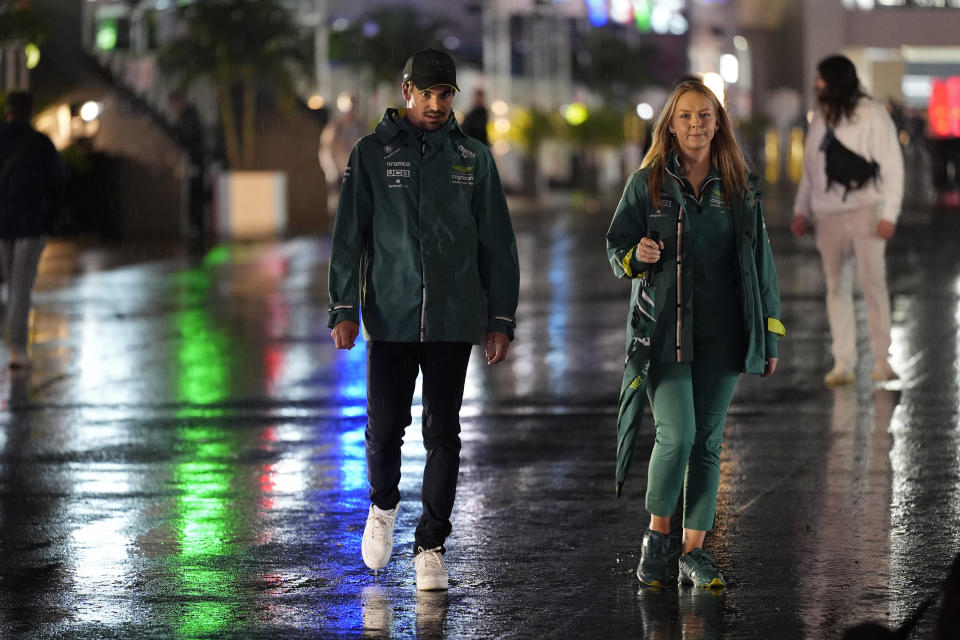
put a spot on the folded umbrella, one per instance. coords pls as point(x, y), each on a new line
point(633, 389)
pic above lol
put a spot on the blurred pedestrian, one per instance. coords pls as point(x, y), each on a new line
point(337, 140)
point(945, 163)
point(189, 132)
point(689, 232)
point(423, 243)
point(475, 122)
point(32, 177)
point(851, 224)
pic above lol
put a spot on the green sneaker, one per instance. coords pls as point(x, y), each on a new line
point(652, 569)
point(698, 569)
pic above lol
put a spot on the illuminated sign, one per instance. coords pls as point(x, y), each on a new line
point(943, 114)
point(870, 5)
point(648, 16)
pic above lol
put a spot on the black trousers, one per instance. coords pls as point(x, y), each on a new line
point(392, 369)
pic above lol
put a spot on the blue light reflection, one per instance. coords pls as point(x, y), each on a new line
point(558, 318)
point(597, 12)
point(350, 396)
point(353, 461)
point(350, 498)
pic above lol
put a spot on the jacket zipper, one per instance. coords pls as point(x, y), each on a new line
point(423, 274)
point(679, 309)
point(680, 217)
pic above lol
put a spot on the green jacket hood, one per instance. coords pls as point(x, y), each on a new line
point(394, 123)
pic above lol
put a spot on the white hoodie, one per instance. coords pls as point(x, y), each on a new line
point(870, 132)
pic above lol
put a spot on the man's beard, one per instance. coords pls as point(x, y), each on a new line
point(435, 125)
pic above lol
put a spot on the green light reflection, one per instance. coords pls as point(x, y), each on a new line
point(206, 518)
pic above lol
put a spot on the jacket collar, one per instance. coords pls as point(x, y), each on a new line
point(394, 123)
point(673, 168)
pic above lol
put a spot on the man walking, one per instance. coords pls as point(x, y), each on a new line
point(424, 244)
point(31, 177)
point(851, 222)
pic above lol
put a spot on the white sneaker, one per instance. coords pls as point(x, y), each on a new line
point(838, 376)
point(883, 372)
point(377, 544)
point(431, 572)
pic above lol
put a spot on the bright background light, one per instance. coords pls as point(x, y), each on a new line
point(107, 35)
point(575, 113)
point(729, 68)
point(344, 102)
point(715, 83)
point(32, 53)
point(645, 111)
point(90, 111)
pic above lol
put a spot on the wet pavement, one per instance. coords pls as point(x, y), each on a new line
point(185, 459)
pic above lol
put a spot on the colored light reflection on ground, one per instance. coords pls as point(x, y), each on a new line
point(206, 514)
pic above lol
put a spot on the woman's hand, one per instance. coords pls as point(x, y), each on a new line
point(769, 367)
point(648, 250)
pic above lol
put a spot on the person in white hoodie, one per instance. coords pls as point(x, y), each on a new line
point(851, 224)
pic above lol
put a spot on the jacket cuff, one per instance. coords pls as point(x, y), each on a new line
point(632, 267)
point(501, 324)
point(772, 345)
point(775, 330)
point(342, 312)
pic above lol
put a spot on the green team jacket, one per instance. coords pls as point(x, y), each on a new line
point(758, 289)
point(423, 240)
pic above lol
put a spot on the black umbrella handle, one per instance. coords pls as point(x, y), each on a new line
point(648, 276)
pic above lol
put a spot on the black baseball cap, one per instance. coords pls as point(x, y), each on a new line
point(430, 67)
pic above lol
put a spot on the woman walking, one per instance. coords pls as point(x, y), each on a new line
point(689, 231)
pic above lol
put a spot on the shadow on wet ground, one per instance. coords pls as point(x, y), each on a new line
point(185, 459)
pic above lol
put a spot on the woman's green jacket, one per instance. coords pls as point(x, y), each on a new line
point(758, 289)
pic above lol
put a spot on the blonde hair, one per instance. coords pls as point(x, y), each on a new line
point(725, 153)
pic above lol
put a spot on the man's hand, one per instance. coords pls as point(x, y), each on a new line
point(344, 334)
point(886, 229)
point(497, 345)
point(798, 224)
point(769, 367)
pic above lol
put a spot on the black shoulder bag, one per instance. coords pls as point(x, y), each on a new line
point(846, 167)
